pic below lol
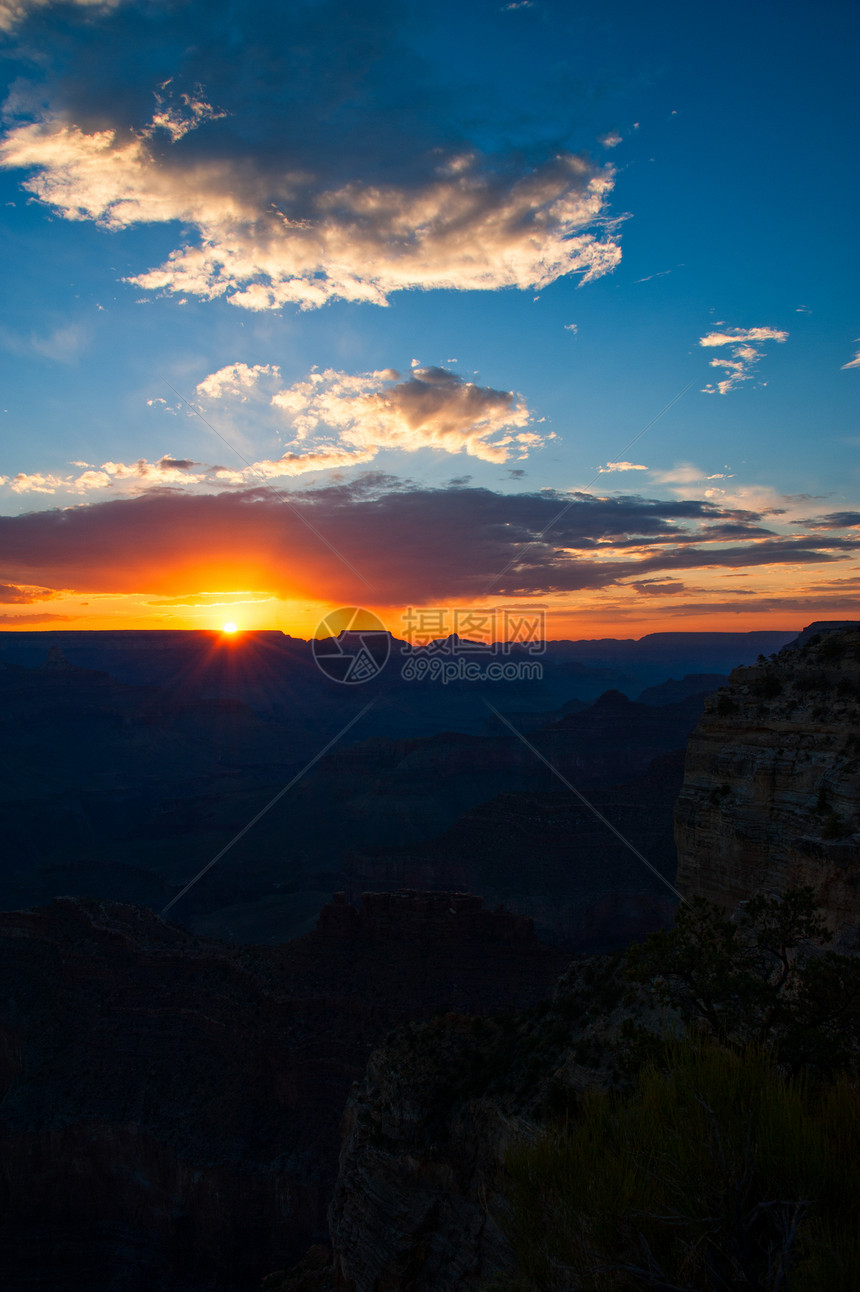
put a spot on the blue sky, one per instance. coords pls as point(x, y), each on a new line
point(374, 222)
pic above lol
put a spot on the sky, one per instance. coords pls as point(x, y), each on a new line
point(490, 305)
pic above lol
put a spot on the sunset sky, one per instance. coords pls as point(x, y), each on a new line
point(482, 304)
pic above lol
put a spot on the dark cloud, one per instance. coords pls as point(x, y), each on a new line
point(813, 607)
point(11, 594)
point(658, 587)
point(181, 464)
point(410, 543)
point(833, 520)
point(734, 529)
point(20, 621)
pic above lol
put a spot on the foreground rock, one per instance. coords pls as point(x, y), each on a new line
point(771, 793)
point(170, 1107)
point(426, 1132)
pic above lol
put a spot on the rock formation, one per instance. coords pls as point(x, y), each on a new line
point(546, 856)
point(426, 1131)
point(771, 794)
point(170, 1106)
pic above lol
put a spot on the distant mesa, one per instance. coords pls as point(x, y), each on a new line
point(824, 626)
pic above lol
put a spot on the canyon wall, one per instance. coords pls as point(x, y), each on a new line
point(771, 793)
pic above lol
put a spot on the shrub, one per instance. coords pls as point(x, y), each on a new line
point(714, 1172)
point(768, 687)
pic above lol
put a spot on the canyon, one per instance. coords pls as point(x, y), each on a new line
point(180, 1113)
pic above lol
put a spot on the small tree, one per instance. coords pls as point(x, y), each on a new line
point(760, 977)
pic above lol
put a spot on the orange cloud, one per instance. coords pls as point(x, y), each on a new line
point(376, 540)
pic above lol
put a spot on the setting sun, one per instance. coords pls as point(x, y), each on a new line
point(229, 628)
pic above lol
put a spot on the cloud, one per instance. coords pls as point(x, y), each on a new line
point(413, 544)
point(271, 236)
point(19, 621)
point(853, 363)
point(431, 408)
point(662, 273)
point(11, 594)
point(833, 520)
point(686, 473)
point(35, 482)
point(658, 587)
point(63, 343)
point(213, 599)
point(812, 607)
point(622, 466)
point(136, 476)
point(571, 327)
point(13, 12)
point(290, 167)
point(236, 379)
point(351, 417)
point(746, 352)
point(334, 420)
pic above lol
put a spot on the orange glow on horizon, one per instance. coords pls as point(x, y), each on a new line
point(303, 618)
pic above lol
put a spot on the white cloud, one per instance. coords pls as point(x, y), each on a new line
point(853, 363)
point(33, 483)
point(736, 335)
point(269, 239)
point(179, 119)
point(571, 327)
point(431, 408)
point(622, 466)
point(334, 419)
point(684, 474)
point(611, 140)
point(236, 379)
point(662, 273)
point(746, 352)
point(124, 477)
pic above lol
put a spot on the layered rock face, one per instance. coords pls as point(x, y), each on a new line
point(170, 1106)
point(771, 794)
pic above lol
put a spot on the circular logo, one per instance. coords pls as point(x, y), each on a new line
point(351, 645)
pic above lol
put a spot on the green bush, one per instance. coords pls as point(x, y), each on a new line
point(761, 977)
point(714, 1172)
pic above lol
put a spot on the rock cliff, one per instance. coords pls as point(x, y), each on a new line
point(771, 793)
